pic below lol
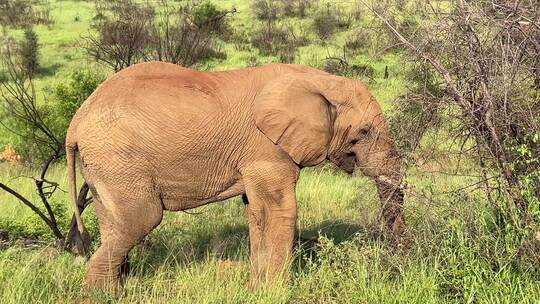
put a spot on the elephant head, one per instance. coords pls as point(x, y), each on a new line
point(318, 116)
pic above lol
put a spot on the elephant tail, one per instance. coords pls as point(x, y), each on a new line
point(71, 149)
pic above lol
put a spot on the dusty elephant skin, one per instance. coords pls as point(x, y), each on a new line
point(157, 137)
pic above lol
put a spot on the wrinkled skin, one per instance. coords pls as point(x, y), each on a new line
point(158, 137)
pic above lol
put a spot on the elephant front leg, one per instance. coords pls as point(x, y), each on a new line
point(255, 216)
point(278, 240)
point(272, 216)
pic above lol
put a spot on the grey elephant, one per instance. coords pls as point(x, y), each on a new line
point(158, 137)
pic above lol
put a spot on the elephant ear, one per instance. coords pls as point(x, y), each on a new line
point(296, 113)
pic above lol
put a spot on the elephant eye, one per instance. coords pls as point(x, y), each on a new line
point(354, 141)
point(364, 131)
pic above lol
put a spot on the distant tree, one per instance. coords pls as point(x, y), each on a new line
point(29, 52)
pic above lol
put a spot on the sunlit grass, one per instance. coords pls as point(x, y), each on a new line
point(202, 257)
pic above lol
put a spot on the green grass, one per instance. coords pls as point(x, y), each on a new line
point(456, 255)
point(459, 251)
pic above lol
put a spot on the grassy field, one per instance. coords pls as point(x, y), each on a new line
point(455, 257)
point(457, 253)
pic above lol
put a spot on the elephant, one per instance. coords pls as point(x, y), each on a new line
point(158, 137)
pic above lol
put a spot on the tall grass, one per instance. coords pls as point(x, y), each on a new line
point(456, 254)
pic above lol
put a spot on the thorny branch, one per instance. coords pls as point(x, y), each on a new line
point(473, 84)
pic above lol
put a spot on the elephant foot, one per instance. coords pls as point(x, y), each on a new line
point(257, 280)
point(268, 279)
point(253, 285)
point(105, 283)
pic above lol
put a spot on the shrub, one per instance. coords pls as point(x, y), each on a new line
point(15, 13)
point(69, 95)
point(275, 40)
point(485, 67)
point(408, 26)
point(122, 35)
point(42, 13)
point(42, 136)
point(329, 20)
point(341, 67)
point(295, 8)
point(128, 33)
point(358, 40)
point(417, 111)
point(252, 61)
point(267, 10)
point(191, 35)
point(357, 13)
point(22, 13)
point(526, 152)
point(29, 52)
point(209, 18)
point(273, 10)
point(363, 70)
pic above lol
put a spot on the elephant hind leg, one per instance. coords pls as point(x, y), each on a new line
point(123, 225)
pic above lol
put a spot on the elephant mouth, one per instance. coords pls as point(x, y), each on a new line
point(345, 162)
point(349, 167)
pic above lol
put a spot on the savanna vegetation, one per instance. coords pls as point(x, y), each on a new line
point(460, 85)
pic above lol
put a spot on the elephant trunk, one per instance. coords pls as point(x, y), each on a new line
point(391, 195)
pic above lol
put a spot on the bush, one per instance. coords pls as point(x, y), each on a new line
point(358, 40)
point(29, 52)
point(275, 40)
point(42, 13)
point(417, 111)
point(22, 13)
point(69, 95)
point(295, 8)
point(128, 33)
point(15, 13)
point(54, 114)
point(486, 68)
point(190, 35)
point(328, 21)
point(207, 17)
point(340, 66)
point(267, 10)
point(273, 10)
point(526, 152)
point(123, 33)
